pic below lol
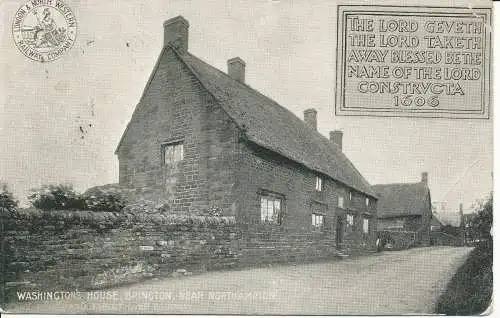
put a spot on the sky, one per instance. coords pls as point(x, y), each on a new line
point(289, 48)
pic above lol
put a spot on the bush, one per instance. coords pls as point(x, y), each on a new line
point(8, 205)
point(103, 199)
point(56, 197)
point(471, 289)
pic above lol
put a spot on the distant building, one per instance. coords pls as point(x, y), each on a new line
point(406, 207)
point(436, 225)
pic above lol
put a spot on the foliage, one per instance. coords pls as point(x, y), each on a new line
point(103, 199)
point(63, 197)
point(471, 289)
point(480, 225)
point(56, 197)
point(8, 204)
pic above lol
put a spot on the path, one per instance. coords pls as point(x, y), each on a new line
point(403, 282)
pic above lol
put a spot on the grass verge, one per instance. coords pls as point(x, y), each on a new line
point(469, 291)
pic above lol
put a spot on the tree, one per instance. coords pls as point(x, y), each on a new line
point(480, 225)
point(8, 204)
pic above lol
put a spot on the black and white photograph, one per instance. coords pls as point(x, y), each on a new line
point(230, 157)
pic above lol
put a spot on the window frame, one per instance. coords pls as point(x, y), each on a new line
point(341, 202)
point(350, 227)
point(174, 144)
point(274, 197)
point(350, 216)
point(315, 217)
point(367, 222)
point(320, 184)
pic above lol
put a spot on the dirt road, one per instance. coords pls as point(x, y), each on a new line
point(388, 283)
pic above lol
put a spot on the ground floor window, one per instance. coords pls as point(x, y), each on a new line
point(349, 223)
point(318, 220)
point(366, 225)
point(271, 206)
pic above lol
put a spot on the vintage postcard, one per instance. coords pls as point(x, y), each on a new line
point(248, 158)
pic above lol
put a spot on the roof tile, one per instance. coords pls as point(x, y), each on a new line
point(274, 127)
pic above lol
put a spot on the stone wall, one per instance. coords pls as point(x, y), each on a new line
point(442, 238)
point(263, 171)
point(398, 240)
point(175, 108)
point(85, 250)
point(412, 223)
point(80, 250)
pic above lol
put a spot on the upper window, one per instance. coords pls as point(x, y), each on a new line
point(350, 195)
point(367, 201)
point(270, 208)
point(319, 184)
point(341, 202)
point(172, 152)
point(317, 220)
point(366, 225)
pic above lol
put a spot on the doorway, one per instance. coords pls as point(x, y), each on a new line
point(340, 231)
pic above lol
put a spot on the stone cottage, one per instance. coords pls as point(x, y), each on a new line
point(405, 207)
point(203, 140)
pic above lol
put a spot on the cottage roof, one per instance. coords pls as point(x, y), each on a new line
point(435, 221)
point(272, 126)
point(402, 199)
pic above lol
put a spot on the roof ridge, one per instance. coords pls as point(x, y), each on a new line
point(252, 90)
point(356, 182)
point(435, 216)
point(395, 184)
point(256, 91)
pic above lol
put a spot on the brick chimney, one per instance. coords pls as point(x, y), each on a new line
point(425, 176)
point(176, 33)
point(236, 69)
point(310, 118)
point(336, 138)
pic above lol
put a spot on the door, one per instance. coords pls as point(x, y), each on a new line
point(340, 231)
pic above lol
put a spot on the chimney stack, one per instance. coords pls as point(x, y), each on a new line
point(176, 33)
point(425, 177)
point(236, 69)
point(310, 118)
point(336, 138)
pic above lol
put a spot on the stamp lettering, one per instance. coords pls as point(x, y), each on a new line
point(44, 30)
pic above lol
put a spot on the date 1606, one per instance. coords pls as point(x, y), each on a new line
point(415, 101)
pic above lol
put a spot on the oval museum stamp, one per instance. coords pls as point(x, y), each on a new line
point(44, 30)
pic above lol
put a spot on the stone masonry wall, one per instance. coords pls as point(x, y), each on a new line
point(398, 240)
point(68, 250)
point(262, 170)
point(81, 250)
point(420, 224)
point(176, 108)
